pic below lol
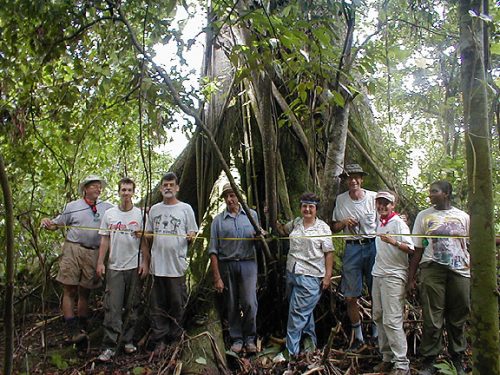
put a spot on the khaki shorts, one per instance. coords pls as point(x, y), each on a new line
point(77, 266)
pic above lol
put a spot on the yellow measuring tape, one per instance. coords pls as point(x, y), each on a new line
point(341, 236)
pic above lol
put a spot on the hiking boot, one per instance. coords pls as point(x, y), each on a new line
point(237, 347)
point(458, 364)
point(373, 342)
point(79, 337)
point(250, 347)
point(159, 348)
point(383, 367)
point(427, 367)
point(357, 346)
point(107, 355)
point(399, 371)
point(129, 348)
point(308, 344)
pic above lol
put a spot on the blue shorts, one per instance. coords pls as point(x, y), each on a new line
point(357, 263)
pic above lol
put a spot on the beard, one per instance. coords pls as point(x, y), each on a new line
point(168, 194)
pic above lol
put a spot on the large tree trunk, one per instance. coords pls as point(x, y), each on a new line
point(9, 266)
point(337, 129)
point(484, 325)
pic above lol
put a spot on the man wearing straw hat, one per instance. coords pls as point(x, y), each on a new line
point(77, 267)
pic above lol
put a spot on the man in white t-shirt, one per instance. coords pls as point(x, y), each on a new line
point(125, 266)
point(173, 226)
point(355, 215)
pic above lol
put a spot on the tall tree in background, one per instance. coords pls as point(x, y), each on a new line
point(484, 325)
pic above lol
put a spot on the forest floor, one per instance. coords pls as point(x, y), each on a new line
point(41, 350)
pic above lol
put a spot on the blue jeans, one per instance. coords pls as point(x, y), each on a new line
point(240, 298)
point(357, 262)
point(304, 293)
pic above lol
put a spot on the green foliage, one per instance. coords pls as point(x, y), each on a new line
point(446, 368)
point(59, 361)
point(76, 100)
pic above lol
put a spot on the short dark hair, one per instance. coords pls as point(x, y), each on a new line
point(170, 176)
point(309, 197)
point(126, 180)
point(445, 187)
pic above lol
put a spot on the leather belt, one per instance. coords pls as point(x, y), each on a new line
point(82, 245)
point(361, 241)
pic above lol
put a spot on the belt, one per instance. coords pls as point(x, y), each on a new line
point(236, 259)
point(84, 246)
point(361, 241)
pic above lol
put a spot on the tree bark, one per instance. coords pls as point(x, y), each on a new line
point(484, 324)
point(9, 266)
point(337, 129)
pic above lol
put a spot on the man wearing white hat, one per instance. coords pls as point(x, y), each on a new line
point(355, 215)
point(77, 267)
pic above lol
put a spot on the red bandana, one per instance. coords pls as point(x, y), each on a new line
point(385, 220)
point(92, 205)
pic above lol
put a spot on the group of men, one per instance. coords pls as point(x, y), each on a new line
point(158, 247)
point(94, 228)
point(162, 251)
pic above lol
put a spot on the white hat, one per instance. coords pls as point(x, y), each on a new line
point(385, 194)
point(87, 180)
point(226, 189)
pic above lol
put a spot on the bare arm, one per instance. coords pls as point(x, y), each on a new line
point(48, 224)
point(394, 242)
point(328, 270)
point(214, 266)
point(350, 222)
point(146, 242)
point(414, 262)
point(103, 250)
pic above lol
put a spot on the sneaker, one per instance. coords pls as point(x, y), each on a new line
point(129, 348)
point(237, 347)
point(250, 347)
point(106, 355)
point(383, 367)
point(357, 346)
point(400, 371)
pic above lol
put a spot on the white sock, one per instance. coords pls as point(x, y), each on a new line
point(358, 333)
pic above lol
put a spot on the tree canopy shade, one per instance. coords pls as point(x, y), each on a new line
point(291, 90)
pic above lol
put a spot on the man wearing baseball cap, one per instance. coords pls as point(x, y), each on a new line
point(77, 266)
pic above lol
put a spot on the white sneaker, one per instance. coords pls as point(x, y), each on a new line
point(129, 348)
point(106, 355)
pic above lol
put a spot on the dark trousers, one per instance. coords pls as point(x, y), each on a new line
point(240, 298)
point(168, 303)
point(445, 298)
